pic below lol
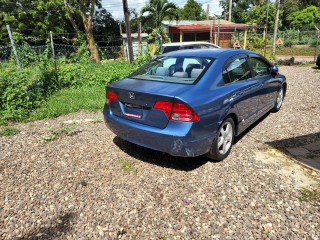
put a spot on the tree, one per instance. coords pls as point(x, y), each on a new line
point(257, 14)
point(307, 3)
point(158, 10)
point(238, 7)
point(277, 3)
point(287, 7)
point(46, 15)
point(86, 8)
point(192, 10)
point(305, 19)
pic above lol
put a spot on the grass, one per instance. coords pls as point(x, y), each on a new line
point(8, 131)
point(310, 195)
point(127, 165)
point(305, 51)
point(59, 132)
point(66, 101)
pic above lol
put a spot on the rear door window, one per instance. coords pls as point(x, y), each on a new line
point(260, 67)
point(236, 70)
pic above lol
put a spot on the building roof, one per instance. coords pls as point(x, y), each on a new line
point(204, 25)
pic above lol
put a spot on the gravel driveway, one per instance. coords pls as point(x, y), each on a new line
point(70, 178)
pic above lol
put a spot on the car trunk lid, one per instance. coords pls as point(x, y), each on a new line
point(136, 100)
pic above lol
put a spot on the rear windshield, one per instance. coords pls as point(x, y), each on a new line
point(170, 49)
point(185, 70)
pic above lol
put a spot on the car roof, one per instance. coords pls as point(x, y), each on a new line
point(209, 53)
point(186, 44)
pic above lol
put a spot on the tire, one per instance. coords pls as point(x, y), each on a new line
point(222, 144)
point(279, 100)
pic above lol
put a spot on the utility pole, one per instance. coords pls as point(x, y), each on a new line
point(208, 8)
point(128, 30)
point(120, 27)
point(230, 9)
point(266, 32)
point(139, 36)
point(276, 26)
point(317, 44)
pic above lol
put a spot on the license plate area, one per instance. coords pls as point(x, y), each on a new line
point(133, 110)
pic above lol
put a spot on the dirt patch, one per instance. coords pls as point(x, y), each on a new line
point(300, 176)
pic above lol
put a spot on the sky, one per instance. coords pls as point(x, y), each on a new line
point(116, 9)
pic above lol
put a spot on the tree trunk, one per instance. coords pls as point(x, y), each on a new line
point(276, 21)
point(73, 23)
point(230, 9)
point(88, 26)
point(92, 47)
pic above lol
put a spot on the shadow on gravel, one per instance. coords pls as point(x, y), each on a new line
point(159, 158)
point(238, 138)
point(305, 148)
point(57, 228)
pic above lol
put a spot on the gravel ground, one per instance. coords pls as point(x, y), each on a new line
point(79, 181)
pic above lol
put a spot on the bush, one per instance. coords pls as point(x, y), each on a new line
point(22, 92)
point(288, 43)
point(255, 42)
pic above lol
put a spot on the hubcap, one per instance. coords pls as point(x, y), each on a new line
point(280, 98)
point(225, 138)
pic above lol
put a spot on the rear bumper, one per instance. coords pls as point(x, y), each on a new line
point(176, 139)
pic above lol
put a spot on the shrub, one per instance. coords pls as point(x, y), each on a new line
point(22, 92)
point(288, 43)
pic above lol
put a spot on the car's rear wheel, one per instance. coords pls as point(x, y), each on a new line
point(279, 101)
point(222, 144)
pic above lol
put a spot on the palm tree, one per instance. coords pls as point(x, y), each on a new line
point(159, 9)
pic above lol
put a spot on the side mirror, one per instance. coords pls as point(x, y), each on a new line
point(274, 71)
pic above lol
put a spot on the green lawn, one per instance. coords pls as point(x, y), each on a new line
point(305, 51)
point(71, 100)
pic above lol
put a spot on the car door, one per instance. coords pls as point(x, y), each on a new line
point(238, 76)
point(268, 84)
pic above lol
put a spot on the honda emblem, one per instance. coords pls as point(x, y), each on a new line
point(131, 95)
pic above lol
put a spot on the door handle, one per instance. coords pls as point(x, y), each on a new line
point(235, 95)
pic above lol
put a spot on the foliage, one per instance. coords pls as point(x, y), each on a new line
point(255, 41)
point(127, 165)
point(310, 195)
point(71, 100)
point(292, 51)
point(158, 10)
point(59, 132)
point(154, 36)
point(288, 43)
point(239, 7)
point(286, 8)
point(305, 19)
point(46, 15)
point(192, 10)
point(8, 131)
point(22, 92)
point(87, 10)
point(105, 26)
point(257, 14)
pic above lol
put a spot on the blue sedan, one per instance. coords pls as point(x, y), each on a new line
point(194, 102)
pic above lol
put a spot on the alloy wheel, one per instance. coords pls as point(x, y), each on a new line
point(225, 138)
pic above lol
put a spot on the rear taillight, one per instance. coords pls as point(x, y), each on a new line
point(110, 97)
point(164, 106)
point(183, 113)
point(179, 112)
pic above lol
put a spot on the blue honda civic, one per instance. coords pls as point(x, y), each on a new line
point(194, 102)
